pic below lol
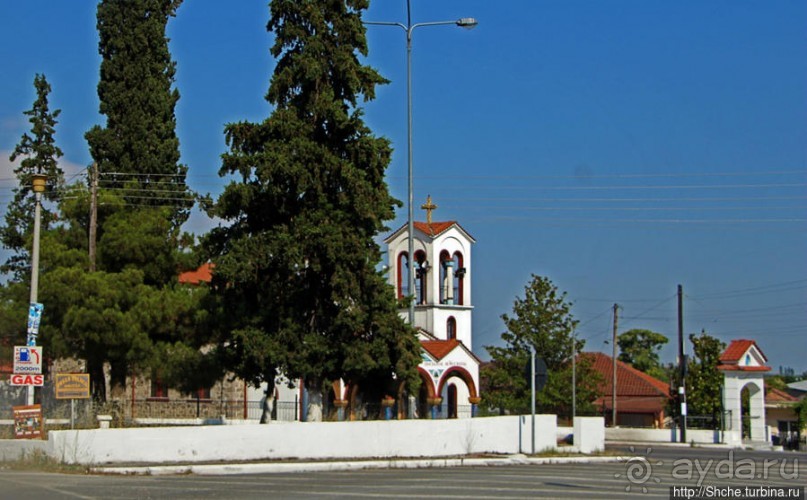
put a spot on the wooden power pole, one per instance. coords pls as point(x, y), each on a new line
point(93, 213)
point(613, 381)
point(682, 366)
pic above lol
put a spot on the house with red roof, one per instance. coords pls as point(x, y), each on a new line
point(641, 400)
point(202, 274)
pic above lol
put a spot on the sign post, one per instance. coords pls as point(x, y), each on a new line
point(536, 374)
point(72, 386)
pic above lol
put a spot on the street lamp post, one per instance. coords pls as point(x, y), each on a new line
point(39, 181)
point(467, 23)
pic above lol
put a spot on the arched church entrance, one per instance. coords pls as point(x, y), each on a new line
point(457, 390)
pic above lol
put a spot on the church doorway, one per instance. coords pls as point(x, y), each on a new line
point(451, 401)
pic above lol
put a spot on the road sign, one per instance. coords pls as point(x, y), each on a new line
point(22, 379)
point(541, 373)
point(72, 385)
point(27, 360)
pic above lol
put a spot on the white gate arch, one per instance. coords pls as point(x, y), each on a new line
point(743, 366)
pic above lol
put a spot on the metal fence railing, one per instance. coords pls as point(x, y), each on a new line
point(61, 414)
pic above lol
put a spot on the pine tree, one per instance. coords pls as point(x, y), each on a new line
point(39, 156)
point(137, 152)
point(543, 320)
point(296, 266)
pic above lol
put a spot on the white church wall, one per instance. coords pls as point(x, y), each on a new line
point(315, 440)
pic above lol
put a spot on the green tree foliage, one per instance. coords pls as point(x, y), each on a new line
point(543, 320)
point(137, 152)
point(40, 155)
point(704, 380)
point(296, 260)
point(640, 348)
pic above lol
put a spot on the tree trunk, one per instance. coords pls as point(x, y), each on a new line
point(97, 380)
point(314, 402)
point(268, 401)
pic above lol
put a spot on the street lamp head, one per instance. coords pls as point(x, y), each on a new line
point(468, 23)
point(39, 181)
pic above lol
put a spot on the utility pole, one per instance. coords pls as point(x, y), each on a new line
point(613, 380)
point(39, 184)
point(574, 377)
point(682, 366)
point(93, 212)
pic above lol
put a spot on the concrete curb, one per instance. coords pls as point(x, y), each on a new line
point(296, 467)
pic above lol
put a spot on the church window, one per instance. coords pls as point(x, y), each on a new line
point(451, 328)
point(445, 262)
point(459, 279)
point(403, 275)
point(421, 271)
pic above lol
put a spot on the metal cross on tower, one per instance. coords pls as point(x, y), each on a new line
point(429, 207)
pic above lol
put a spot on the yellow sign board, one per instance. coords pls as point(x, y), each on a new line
point(72, 385)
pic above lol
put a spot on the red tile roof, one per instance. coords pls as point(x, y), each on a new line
point(630, 381)
point(735, 351)
point(637, 392)
point(439, 348)
point(435, 228)
point(6, 368)
point(201, 275)
point(773, 395)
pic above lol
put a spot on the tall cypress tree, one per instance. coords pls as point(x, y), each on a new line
point(39, 154)
point(296, 264)
point(137, 152)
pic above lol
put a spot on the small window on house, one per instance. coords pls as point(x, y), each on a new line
point(203, 393)
point(159, 390)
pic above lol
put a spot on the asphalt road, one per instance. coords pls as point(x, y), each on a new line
point(641, 474)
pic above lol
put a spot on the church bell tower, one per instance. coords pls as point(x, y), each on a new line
point(443, 272)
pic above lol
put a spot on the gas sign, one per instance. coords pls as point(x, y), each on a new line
point(22, 379)
point(28, 360)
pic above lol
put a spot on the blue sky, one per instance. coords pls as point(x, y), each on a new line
point(620, 148)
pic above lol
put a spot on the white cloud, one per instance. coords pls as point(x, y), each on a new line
point(8, 180)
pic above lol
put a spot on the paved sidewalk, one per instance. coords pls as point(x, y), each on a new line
point(346, 465)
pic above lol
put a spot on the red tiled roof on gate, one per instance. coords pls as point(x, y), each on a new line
point(731, 357)
point(735, 351)
point(6, 368)
point(740, 368)
point(439, 348)
point(201, 275)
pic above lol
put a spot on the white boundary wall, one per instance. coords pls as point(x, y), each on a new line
point(698, 436)
point(313, 440)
